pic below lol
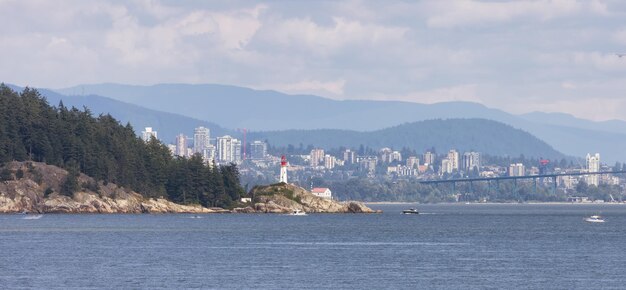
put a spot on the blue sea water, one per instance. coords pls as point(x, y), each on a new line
point(448, 247)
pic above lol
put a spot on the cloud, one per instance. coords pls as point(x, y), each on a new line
point(448, 14)
point(182, 38)
point(307, 36)
point(620, 36)
point(513, 55)
point(568, 85)
point(600, 61)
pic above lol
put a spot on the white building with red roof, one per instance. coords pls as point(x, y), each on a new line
point(322, 192)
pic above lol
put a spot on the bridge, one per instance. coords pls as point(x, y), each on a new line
point(552, 176)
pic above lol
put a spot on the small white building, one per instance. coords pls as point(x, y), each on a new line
point(322, 192)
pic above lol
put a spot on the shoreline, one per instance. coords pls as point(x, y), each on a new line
point(495, 203)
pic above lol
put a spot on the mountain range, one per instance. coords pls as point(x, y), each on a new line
point(461, 134)
point(265, 110)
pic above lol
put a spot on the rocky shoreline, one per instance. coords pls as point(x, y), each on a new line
point(286, 198)
point(33, 187)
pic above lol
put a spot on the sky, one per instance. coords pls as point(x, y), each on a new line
point(518, 56)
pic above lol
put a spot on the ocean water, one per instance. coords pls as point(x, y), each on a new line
point(446, 247)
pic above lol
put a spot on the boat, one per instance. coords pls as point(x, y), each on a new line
point(410, 211)
point(298, 212)
point(33, 217)
point(594, 219)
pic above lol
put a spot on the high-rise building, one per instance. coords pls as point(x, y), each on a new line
point(446, 166)
point(429, 158)
point(385, 154)
point(395, 156)
point(228, 149)
point(208, 154)
point(148, 134)
point(329, 161)
point(517, 169)
point(258, 150)
point(181, 145)
point(471, 160)
point(453, 158)
point(172, 149)
point(237, 150)
point(349, 157)
point(316, 157)
point(367, 163)
point(201, 139)
point(593, 165)
point(412, 162)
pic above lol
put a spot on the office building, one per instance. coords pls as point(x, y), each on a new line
point(412, 162)
point(349, 157)
point(316, 157)
point(593, 165)
point(201, 139)
point(181, 145)
point(258, 150)
point(329, 161)
point(148, 134)
point(429, 158)
point(228, 149)
point(517, 169)
point(453, 158)
point(471, 161)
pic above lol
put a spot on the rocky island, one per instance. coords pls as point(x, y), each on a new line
point(286, 198)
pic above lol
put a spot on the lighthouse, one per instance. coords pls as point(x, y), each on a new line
point(283, 169)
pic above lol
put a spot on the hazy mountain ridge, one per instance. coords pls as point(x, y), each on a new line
point(480, 135)
point(237, 107)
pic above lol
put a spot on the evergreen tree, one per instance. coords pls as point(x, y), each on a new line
point(101, 147)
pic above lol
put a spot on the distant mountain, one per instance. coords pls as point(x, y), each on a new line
point(562, 119)
point(237, 107)
point(462, 134)
point(168, 125)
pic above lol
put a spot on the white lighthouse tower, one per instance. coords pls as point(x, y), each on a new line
point(283, 169)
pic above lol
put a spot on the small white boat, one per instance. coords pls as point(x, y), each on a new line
point(594, 219)
point(410, 211)
point(298, 212)
point(32, 217)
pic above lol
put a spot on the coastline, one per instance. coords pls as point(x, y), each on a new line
point(494, 203)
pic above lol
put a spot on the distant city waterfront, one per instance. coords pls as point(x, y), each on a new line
point(344, 171)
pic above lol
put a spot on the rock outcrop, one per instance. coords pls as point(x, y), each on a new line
point(286, 198)
point(35, 187)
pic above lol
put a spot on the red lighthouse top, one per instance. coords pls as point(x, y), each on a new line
point(283, 161)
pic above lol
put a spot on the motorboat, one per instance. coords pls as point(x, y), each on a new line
point(410, 211)
point(594, 219)
point(297, 212)
point(33, 217)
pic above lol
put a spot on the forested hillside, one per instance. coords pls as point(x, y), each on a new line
point(101, 147)
point(485, 136)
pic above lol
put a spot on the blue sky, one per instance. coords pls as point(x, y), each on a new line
point(519, 56)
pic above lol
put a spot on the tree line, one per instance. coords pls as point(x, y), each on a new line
point(101, 147)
